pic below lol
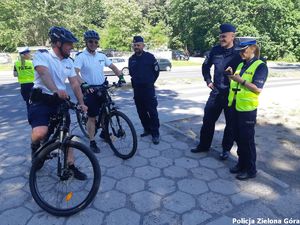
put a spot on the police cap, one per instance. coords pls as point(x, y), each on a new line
point(137, 39)
point(227, 27)
point(245, 43)
point(24, 50)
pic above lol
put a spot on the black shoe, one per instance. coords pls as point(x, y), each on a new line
point(146, 133)
point(235, 169)
point(102, 134)
point(94, 147)
point(199, 149)
point(77, 173)
point(245, 176)
point(224, 155)
point(155, 140)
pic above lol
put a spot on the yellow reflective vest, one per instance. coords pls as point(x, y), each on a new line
point(25, 72)
point(246, 100)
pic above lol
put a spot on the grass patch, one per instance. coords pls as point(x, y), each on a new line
point(185, 63)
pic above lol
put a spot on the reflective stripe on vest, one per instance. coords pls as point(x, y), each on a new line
point(246, 100)
point(26, 72)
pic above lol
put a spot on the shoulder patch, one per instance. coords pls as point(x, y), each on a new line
point(43, 50)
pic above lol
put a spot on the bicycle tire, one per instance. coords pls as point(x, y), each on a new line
point(112, 136)
point(82, 124)
point(94, 182)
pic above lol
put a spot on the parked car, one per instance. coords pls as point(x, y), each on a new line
point(179, 55)
point(121, 63)
point(164, 64)
point(5, 58)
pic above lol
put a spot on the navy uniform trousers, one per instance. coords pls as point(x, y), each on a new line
point(244, 132)
point(216, 103)
point(146, 105)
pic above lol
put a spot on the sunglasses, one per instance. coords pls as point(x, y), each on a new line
point(93, 41)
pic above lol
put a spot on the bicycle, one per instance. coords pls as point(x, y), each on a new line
point(52, 183)
point(118, 130)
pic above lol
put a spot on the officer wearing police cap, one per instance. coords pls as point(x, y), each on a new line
point(221, 56)
point(245, 86)
point(144, 71)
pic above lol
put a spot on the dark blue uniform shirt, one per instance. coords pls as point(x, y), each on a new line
point(221, 58)
point(143, 69)
point(261, 73)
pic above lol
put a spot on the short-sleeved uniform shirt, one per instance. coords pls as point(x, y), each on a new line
point(60, 69)
point(261, 73)
point(91, 66)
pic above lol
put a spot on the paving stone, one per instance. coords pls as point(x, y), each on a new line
point(149, 153)
point(223, 187)
point(162, 185)
point(186, 163)
point(221, 221)
point(161, 162)
point(171, 153)
point(179, 202)
point(254, 210)
point(12, 184)
point(136, 161)
point(130, 185)
point(214, 203)
point(195, 217)
point(175, 172)
point(287, 205)
point(110, 201)
point(46, 219)
point(211, 163)
point(192, 186)
point(161, 146)
point(119, 172)
point(111, 161)
point(180, 145)
point(162, 217)
point(13, 160)
point(107, 184)
point(32, 206)
point(142, 144)
point(12, 171)
point(17, 216)
point(204, 173)
point(147, 172)
point(145, 201)
point(225, 174)
point(88, 216)
point(242, 197)
point(259, 189)
point(168, 138)
point(123, 217)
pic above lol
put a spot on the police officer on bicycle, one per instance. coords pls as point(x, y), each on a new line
point(52, 68)
point(221, 56)
point(144, 71)
point(89, 65)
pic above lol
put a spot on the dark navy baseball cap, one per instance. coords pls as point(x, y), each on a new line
point(245, 43)
point(227, 27)
point(137, 39)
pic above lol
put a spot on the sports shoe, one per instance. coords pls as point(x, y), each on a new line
point(145, 133)
point(199, 149)
point(224, 155)
point(155, 140)
point(77, 173)
point(94, 147)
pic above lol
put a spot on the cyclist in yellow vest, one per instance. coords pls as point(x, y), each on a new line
point(23, 69)
point(246, 84)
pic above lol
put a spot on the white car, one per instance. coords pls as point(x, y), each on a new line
point(121, 63)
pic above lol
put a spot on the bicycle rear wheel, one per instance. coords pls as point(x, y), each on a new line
point(120, 134)
point(54, 187)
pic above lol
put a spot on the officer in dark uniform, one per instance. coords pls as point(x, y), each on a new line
point(144, 71)
point(221, 56)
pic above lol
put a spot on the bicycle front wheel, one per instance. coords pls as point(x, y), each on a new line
point(58, 188)
point(120, 134)
point(82, 122)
